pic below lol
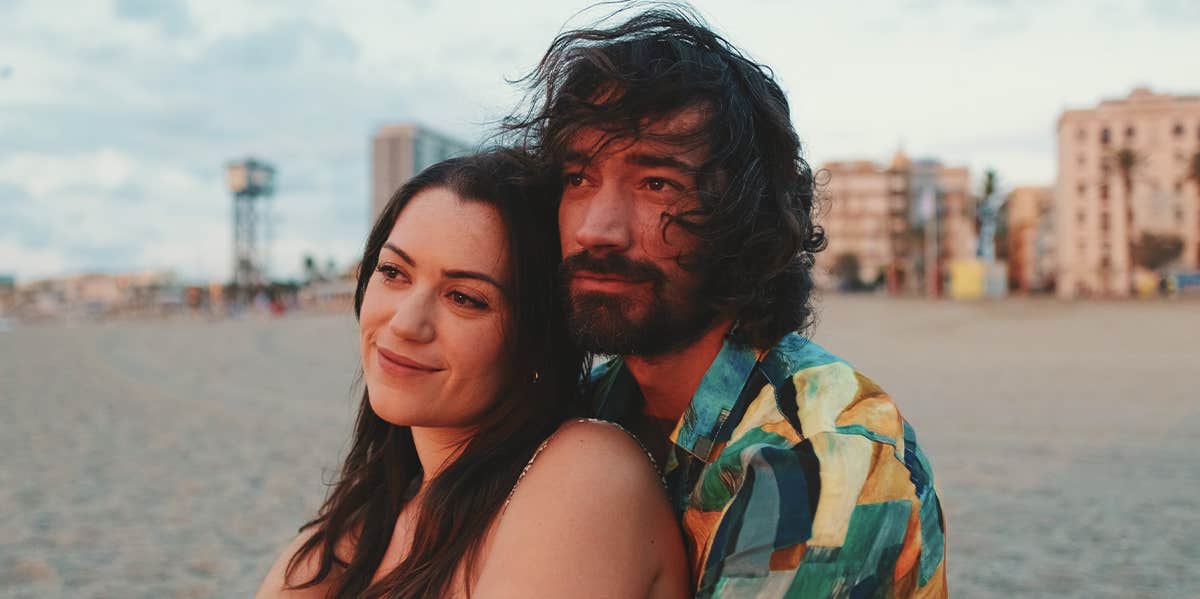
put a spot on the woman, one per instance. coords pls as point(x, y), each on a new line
point(470, 374)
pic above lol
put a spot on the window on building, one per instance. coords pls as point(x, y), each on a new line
point(1081, 217)
point(1104, 192)
point(1104, 222)
point(1081, 134)
point(1178, 130)
point(1104, 136)
point(1081, 188)
point(1105, 261)
point(1179, 215)
point(1129, 131)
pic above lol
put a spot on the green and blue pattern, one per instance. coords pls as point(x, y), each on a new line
point(795, 476)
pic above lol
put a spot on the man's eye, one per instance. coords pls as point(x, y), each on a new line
point(573, 179)
point(659, 184)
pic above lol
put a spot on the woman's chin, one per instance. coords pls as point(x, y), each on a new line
point(393, 412)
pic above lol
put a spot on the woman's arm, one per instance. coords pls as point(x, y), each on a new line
point(590, 520)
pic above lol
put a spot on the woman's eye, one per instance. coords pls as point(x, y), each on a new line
point(389, 271)
point(465, 300)
point(573, 179)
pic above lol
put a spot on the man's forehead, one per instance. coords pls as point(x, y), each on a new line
point(656, 137)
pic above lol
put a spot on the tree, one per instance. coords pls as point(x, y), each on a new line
point(1156, 251)
point(312, 274)
point(1193, 174)
point(1128, 162)
point(987, 209)
point(845, 268)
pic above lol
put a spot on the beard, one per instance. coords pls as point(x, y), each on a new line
point(612, 324)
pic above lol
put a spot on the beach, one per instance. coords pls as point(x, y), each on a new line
point(174, 458)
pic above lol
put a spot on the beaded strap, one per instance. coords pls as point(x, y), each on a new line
point(546, 443)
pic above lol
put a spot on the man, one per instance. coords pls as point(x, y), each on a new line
point(688, 239)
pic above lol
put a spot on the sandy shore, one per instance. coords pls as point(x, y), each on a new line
point(172, 459)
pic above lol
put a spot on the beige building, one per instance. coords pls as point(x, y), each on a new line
point(879, 214)
point(1028, 212)
point(97, 294)
point(1122, 171)
point(400, 151)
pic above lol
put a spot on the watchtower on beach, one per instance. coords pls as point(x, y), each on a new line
point(252, 183)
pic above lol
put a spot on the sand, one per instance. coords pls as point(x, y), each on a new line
point(174, 458)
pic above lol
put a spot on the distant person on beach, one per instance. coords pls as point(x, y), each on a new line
point(688, 236)
point(470, 374)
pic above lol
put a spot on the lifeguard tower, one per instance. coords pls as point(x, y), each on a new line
point(252, 183)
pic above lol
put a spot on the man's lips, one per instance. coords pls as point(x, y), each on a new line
point(590, 281)
point(395, 362)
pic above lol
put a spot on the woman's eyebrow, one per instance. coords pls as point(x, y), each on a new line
point(450, 273)
point(471, 274)
point(403, 255)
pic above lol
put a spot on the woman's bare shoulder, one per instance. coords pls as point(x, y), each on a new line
point(590, 452)
point(589, 518)
point(278, 578)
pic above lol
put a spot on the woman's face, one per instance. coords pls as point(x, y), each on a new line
point(435, 312)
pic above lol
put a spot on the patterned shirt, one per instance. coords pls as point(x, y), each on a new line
point(794, 476)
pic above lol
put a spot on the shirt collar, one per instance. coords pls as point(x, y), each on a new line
point(699, 429)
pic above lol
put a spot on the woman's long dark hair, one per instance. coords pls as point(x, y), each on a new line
point(463, 500)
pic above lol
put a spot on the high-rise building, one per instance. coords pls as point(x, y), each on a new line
point(400, 151)
point(894, 220)
point(1124, 170)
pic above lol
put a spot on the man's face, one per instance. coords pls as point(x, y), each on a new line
point(625, 290)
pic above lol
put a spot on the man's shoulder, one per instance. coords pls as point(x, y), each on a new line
point(824, 393)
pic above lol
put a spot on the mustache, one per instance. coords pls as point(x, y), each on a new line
point(617, 265)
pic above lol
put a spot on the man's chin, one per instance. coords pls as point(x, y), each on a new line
point(604, 323)
point(615, 325)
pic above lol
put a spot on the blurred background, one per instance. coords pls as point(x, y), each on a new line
point(1011, 192)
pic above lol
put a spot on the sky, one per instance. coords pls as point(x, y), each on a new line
point(118, 116)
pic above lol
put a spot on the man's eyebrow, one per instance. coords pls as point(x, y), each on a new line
point(575, 157)
point(660, 160)
point(403, 256)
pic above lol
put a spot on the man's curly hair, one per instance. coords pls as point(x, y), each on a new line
point(755, 220)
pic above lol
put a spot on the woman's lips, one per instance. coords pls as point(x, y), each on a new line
point(399, 364)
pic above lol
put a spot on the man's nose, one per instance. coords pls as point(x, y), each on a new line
point(605, 226)
point(413, 318)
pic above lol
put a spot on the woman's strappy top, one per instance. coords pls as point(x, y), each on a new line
point(546, 443)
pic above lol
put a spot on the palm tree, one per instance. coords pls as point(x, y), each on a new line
point(1127, 162)
point(1192, 173)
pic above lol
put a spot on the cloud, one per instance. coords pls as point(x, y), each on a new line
point(107, 209)
point(42, 175)
point(12, 195)
point(281, 46)
point(170, 16)
point(1175, 13)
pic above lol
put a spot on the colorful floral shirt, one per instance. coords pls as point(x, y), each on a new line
point(795, 476)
